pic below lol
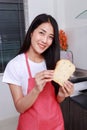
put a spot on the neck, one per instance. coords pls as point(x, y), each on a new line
point(35, 57)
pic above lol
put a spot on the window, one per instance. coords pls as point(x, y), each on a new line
point(12, 30)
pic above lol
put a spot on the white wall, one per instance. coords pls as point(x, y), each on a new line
point(55, 8)
point(76, 29)
point(36, 7)
point(39, 6)
point(72, 9)
point(7, 109)
point(77, 40)
point(59, 11)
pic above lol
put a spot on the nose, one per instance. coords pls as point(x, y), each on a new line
point(44, 40)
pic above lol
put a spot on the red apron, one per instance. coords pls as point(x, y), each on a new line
point(45, 113)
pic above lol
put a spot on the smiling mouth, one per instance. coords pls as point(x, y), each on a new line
point(42, 46)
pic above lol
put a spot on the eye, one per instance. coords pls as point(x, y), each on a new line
point(51, 37)
point(42, 33)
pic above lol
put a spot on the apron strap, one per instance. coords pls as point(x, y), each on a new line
point(28, 67)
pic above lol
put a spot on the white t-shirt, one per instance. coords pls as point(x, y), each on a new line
point(16, 71)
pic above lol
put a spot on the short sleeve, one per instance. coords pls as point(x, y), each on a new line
point(12, 73)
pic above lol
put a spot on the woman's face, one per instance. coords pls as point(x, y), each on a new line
point(42, 38)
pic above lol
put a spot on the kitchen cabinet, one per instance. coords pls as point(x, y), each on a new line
point(75, 116)
point(78, 117)
point(75, 108)
point(65, 106)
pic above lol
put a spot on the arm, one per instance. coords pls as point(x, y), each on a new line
point(65, 91)
point(21, 102)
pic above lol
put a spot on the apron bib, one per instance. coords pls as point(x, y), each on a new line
point(45, 113)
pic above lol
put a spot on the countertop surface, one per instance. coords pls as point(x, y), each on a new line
point(81, 100)
point(78, 79)
point(80, 75)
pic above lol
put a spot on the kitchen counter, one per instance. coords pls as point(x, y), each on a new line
point(81, 100)
point(79, 75)
point(77, 80)
point(74, 108)
point(81, 97)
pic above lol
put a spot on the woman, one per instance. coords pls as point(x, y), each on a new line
point(29, 76)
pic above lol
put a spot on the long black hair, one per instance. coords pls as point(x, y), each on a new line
point(52, 54)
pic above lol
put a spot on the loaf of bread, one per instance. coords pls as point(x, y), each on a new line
point(63, 70)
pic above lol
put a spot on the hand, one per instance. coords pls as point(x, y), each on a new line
point(42, 78)
point(66, 90)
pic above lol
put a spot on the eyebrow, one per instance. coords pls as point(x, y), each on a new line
point(45, 31)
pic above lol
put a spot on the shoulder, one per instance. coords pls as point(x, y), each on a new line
point(14, 70)
point(16, 65)
point(16, 61)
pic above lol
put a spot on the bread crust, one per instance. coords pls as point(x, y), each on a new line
point(63, 70)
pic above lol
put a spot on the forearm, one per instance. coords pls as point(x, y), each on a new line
point(65, 91)
point(60, 97)
point(27, 101)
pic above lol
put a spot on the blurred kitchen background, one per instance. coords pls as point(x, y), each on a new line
point(15, 18)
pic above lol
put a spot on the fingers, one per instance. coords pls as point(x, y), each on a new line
point(42, 78)
point(46, 74)
point(68, 88)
